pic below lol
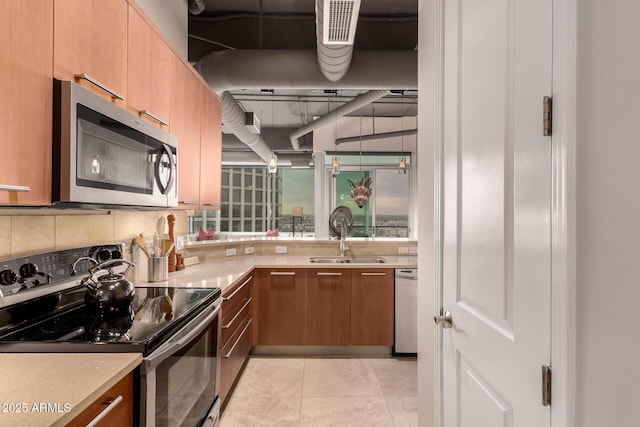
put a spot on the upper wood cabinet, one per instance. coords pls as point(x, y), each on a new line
point(90, 37)
point(328, 307)
point(196, 119)
point(185, 125)
point(372, 310)
point(149, 72)
point(26, 67)
point(210, 151)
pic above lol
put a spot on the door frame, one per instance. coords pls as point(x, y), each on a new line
point(563, 210)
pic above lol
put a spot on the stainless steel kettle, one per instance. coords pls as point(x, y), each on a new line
point(110, 292)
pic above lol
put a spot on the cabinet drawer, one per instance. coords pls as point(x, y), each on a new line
point(235, 320)
point(119, 398)
point(233, 355)
point(234, 299)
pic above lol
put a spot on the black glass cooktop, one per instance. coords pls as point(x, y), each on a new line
point(63, 322)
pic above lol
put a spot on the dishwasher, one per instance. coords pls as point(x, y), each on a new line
point(406, 309)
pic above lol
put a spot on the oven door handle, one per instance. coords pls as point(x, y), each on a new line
point(195, 327)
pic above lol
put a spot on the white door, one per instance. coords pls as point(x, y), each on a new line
point(496, 218)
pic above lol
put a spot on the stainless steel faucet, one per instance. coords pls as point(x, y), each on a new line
point(343, 233)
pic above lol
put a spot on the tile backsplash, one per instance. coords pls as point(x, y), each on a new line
point(23, 234)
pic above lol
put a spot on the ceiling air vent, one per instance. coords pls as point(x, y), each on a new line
point(339, 21)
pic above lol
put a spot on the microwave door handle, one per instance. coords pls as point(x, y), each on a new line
point(172, 167)
point(195, 327)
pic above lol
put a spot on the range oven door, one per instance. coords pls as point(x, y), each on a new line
point(179, 381)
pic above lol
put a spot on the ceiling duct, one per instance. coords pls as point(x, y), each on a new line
point(298, 69)
point(339, 20)
point(351, 106)
point(376, 136)
point(335, 31)
point(234, 119)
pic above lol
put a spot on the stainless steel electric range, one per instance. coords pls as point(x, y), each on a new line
point(177, 330)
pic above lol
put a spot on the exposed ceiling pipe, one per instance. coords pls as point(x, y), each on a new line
point(333, 59)
point(196, 7)
point(373, 136)
point(298, 69)
point(354, 105)
point(233, 117)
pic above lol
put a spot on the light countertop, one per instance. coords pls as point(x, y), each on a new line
point(77, 379)
point(225, 272)
point(71, 379)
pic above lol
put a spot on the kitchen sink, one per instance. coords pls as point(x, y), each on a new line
point(329, 260)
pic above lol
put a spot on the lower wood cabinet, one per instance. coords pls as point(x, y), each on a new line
point(324, 306)
point(235, 342)
point(281, 307)
point(372, 308)
point(115, 406)
point(328, 307)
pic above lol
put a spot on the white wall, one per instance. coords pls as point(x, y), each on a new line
point(171, 16)
point(608, 214)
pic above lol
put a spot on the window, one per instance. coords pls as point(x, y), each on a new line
point(387, 212)
point(391, 203)
point(297, 190)
point(245, 192)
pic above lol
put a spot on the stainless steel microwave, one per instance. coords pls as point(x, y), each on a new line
point(104, 155)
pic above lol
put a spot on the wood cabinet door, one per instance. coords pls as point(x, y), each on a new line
point(372, 306)
point(149, 70)
point(328, 307)
point(185, 125)
point(90, 37)
point(282, 311)
point(210, 151)
point(26, 67)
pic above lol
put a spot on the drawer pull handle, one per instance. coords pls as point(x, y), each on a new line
point(237, 290)
point(210, 204)
point(226, 356)
point(283, 273)
point(188, 202)
point(373, 274)
point(326, 273)
point(102, 86)
point(18, 188)
point(228, 325)
point(112, 404)
point(154, 117)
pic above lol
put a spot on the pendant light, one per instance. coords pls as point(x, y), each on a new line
point(335, 165)
point(272, 164)
point(402, 166)
point(361, 188)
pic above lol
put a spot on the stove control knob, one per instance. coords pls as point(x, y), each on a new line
point(103, 255)
point(8, 277)
point(28, 270)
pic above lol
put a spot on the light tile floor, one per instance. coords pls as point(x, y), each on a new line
point(325, 392)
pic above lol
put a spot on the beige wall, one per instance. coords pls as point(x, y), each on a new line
point(171, 17)
point(22, 234)
point(608, 213)
point(428, 399)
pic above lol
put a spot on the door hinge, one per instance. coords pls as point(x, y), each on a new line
point(546, 385)
point(547, 113)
